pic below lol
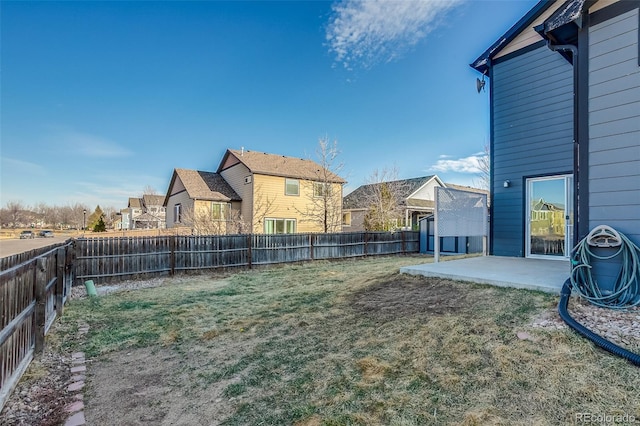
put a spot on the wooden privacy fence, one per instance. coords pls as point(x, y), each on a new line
point(33, 289)
point(107, 260)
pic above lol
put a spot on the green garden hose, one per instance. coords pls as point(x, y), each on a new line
point(626, 288)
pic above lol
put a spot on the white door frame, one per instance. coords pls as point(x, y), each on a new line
point(568, 215)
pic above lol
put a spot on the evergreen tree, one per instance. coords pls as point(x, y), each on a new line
point(100, 226)
point(94, 217)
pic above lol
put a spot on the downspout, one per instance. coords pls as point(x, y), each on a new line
point(576, 133)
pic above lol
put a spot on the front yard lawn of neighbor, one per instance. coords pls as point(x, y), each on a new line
point(351, 342)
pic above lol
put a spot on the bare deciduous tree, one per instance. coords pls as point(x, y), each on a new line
point(149, 190)
point(14, 213)
point(484, 166)
point(324, 200)
point(204, 221)
point(384, 198)
point(109, 216)
point(263, 206)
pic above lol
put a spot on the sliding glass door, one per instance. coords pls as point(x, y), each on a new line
point(549, 216)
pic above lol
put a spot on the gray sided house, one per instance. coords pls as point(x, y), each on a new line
point(417, 201)
point(565, 126)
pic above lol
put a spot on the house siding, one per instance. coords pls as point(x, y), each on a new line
point(181, 198)
point(427, 191)
point(532, 107)
point(289, 206)
point(614, 129)
point(357, 221)
point(235, 176)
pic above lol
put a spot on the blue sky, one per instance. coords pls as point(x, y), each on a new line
point(102, 99)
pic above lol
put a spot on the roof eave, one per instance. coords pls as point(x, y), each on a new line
point(482, 63)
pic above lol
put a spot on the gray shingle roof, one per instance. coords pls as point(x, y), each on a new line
point(206, 186)
point(135, 203)
point(280, 165)
point(467, 188)
point(358, 198)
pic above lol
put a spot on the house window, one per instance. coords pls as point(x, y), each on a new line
point(346, 218)
point(320, 189)
point(292, 187)
point(217, 211)
point(177, 213)
point(279, 226)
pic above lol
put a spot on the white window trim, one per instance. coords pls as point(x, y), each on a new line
point(285, 222)
point(286, 185)
point(177, 213)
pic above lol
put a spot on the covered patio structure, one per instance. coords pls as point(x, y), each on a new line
point(516, 272)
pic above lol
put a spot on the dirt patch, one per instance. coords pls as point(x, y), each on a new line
point(407, 296)
point(150, 387)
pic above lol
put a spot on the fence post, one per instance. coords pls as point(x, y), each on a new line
point(41, 296)
point(60, 263)
point(71, 265)
point(404, 245)
point(249, 240)
point(311, 246)
point(172, 256)
point(366, 243)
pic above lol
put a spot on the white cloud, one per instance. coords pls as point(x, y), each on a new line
point(367, 32)
point(471, 164)
point(94, 146)
point(12, 166)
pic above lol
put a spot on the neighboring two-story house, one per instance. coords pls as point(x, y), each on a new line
point(153, 213)
point(147, 212)
point(134, 210)
point(256, 192)
point(122, 221)
point(565, 126)
point(284, 194)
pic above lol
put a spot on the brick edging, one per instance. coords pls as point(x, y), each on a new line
point(78, 377)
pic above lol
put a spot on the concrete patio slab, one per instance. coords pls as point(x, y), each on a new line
point(517, 272)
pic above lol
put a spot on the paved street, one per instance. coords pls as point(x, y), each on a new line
point(13, 246)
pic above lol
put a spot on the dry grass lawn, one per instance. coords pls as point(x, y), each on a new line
point(338, 343)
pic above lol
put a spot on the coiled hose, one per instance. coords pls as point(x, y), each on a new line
point(625, 294)
point(626, 289)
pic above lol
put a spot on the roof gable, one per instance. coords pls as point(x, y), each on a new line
point(135, 203)
point(203, 186)
point(482, 62)
point(277, 165)
point(554, 20)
